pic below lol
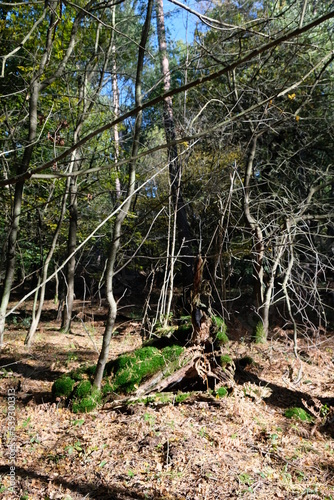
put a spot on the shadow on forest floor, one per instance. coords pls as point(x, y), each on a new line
point(91, 490)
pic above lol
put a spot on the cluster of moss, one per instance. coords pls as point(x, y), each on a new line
point(221, 392)
point(299, 414)
point(259, 334)
point(224, 360)
point(221, 329)
point(83, 395)
point(63, 386)
point(129, 370)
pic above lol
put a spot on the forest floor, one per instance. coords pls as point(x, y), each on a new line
point(239, 446)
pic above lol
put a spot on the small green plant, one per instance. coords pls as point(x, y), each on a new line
point(182, 396)
point(224, 360)
point(259, 334)
point(220, 326)
point(63, 386)
point(324, 410)
point(299, 414)
point(221, 392)
point(245, 478)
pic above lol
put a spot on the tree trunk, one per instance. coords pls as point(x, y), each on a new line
point(184, 232)
point(258, 243)
point(11, 249)
point(40, 293)
point(71, 246)
point(103, 358)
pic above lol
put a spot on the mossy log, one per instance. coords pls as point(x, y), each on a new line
point(196, 367)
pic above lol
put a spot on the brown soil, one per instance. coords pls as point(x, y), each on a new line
point(240, 446)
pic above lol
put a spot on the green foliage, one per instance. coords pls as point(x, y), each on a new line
point(83, 389)
point(88, 401)
point(63, 386)
point(182, 396)
point(130, 369)
point(299, 414)
point(221, 392)
point(221, 335)
point(224, 360)
point(259, 333)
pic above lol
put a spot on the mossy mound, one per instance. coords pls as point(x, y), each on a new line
point(221, 392)
point(63, 386)
point(83, 395)
point(299, 414)
point(129, 370)
point(83, 389)
point(86, 398)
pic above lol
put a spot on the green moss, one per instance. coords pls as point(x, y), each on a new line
point(83, 389)
point(221, 392)
point(222, 338)
point(221, 329)
point(63, 386)
point(224, 360)
point(179, 398)
point(259, 334)
point(88, 402)
point(298, 413)
point(130, 369)
point(77, 374)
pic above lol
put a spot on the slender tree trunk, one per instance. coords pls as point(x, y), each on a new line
point(103, 358)
point(184, 232)
point(87, 106)
point(40, 293)
point(71, 246)
point(11, 249)
point(258, 242)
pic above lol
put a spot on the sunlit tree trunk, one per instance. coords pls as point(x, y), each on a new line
point(112, 312)
point(71, 246)
point(184, 233)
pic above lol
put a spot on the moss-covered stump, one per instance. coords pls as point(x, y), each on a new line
point(128, 371)
point(158, 366)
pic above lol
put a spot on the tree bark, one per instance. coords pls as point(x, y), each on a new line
point(103, 357)
point(16, 212)
point(175, 169)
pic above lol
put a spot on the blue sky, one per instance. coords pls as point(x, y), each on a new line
point(178, 20)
